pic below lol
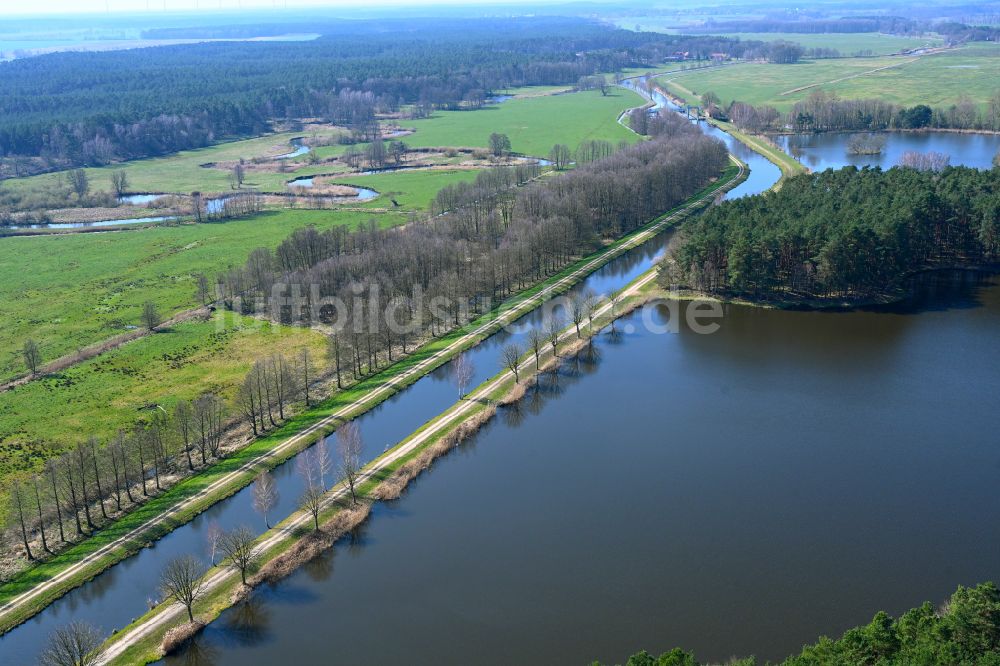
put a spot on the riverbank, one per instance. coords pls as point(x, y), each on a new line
point(889, 297)
point(33, 591)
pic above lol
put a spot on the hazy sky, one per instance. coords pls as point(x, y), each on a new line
point(75, 6)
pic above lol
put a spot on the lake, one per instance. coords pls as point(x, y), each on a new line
point(737, 493)
point(829, 150)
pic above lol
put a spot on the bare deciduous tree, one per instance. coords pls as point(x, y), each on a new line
point(305, 366)
point(237, 177)
point(265, 495)
point(510, 356)
point(184, 425)
point(238, 548)
point(349, 447)
point(32, 356)
point(559, 155)
point(462, 372)
point(615, 302)
point(19, 514)
point(204, 290)
point(119, 182)
point(553, 327)
point(76, 644)
point(536, 342)
point(312, 501)
point(575, 310)
point(182, 581)
point(321, 459)
point(213, 536)
point(79, 182)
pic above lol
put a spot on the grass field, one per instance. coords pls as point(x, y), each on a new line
point(70, 290)
point(533, 124)
point(847, 43)
point(936, 80)
point(101, 395)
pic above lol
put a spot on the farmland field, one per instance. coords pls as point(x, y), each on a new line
point(848, 43)
point(534, 124)
point(936, 80)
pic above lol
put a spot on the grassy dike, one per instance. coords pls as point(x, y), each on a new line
point(49, 580)
point(758, 143)
point(761, 144)
point(292, 542)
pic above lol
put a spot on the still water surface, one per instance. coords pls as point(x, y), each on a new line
point(829, 150)
point(736, 493)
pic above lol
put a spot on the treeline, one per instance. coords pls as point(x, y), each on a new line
point(844, 234)
point(381, 289)
point(90, 484)
point(965, 630)
point(95, 108)
point(95, 482)
point(825, 112)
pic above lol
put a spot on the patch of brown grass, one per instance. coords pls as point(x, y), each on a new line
point(176, 637)
point(309, 546)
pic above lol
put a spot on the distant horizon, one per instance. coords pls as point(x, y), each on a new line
point(54, 8)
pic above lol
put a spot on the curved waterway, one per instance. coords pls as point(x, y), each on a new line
point(763, 173)
point(118, 595)
point(737, 493)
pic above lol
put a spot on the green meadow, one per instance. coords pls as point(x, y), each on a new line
point(106, 393)
point(70, 290)
point(937, 80)
point(534, 124)
point(848, 43)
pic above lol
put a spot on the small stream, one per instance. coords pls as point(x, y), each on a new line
point(300, 149)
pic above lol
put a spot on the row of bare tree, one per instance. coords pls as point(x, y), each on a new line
point(90, 484)
point(93, 483)
point(381, 288)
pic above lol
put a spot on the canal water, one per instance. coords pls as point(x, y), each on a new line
point(737, 493)
point(763, 173)
point(114, 598)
